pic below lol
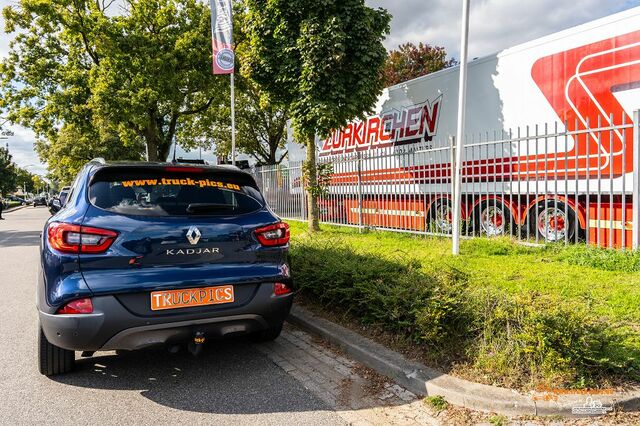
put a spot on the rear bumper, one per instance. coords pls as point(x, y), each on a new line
point(111, 326)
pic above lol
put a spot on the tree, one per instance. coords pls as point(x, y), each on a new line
point(410, 61)
point(24, 180)
point(39, 184)
point(322, 59)
point(71, 148)
point(261, 126)
point(7, 172)
point(135, 70)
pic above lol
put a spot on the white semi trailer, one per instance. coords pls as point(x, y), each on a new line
point(548, 142)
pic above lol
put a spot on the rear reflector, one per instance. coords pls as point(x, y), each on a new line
point(69, 238)
point(273, 235)
point(280, 289)
point(78, 306)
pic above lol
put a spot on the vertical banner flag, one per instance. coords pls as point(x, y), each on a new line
point(222, 36)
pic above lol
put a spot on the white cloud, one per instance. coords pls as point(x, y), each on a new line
point(494, 24)
point(21, 148)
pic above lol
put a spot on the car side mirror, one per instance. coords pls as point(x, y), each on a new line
point(55, 206)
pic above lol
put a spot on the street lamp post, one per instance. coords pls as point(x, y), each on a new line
point(462, 98)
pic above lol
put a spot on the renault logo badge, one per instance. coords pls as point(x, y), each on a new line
point(193, 235)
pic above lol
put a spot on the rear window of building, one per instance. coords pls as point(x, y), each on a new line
point(157, 193)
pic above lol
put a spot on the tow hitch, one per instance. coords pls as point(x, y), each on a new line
point(195, 346)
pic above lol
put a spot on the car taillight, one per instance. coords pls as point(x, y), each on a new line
point(78, 306)
point(280, 289)
point(69, 238)
point(273, 235)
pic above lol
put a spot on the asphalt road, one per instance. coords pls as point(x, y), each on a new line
point(231, 383)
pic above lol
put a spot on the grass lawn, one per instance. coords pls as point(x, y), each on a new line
point(570, 314)
point(505, 265)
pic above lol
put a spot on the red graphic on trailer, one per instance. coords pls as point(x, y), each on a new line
point(580, 84)
point(413, 124)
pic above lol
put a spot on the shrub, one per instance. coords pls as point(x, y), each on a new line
point(531, 339)
point(394, 294)
point(521, 339)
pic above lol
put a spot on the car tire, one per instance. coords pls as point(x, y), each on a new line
point(53, 360)
point(267, 335)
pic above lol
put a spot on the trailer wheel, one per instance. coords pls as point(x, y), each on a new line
point(493, 218)
point(441, 216)
point(552, 221)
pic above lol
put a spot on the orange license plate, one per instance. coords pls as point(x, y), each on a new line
point(174, 299)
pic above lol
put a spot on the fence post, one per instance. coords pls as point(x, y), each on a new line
point(636, 180)
point(303, 195)
point(452, 159)
point(359, 165)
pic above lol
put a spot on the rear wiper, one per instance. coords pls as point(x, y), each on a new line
point(207, 207)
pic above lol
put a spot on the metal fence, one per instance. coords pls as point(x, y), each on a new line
point(550, 183)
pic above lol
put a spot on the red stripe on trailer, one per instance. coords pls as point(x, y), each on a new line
point(600, 221)
point(579, 84)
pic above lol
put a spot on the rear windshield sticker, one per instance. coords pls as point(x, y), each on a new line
point(201, 183)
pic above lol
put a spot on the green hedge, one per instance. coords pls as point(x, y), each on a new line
point(521, 340)
point(11, 204)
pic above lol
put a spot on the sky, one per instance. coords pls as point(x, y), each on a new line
point(494, 25)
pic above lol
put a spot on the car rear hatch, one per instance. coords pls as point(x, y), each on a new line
point(177, 228)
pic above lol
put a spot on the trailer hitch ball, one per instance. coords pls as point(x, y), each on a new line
point(195, 346)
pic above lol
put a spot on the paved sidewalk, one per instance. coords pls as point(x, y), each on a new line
point(358, 395)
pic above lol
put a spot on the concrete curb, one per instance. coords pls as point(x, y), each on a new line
point(423, 380)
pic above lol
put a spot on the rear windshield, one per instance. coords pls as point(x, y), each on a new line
point(157, 193)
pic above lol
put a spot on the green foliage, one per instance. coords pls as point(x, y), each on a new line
point(554, 343)
point(321, 58)
point(261, 126)
point(600, 258)
point(520, 339)
point(410, 61)
point(498, 420)
point(436, 402)
point(71, 148)
point(24, 179)
point(319, 187)
point(39, 184)
point(7, 172)
point(125, 74)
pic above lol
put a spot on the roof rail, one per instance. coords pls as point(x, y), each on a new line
point(98, 160)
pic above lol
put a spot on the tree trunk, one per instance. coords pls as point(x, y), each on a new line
point(163, 150)
point(312, 180)
point(157, 149)
point(152, 150)
point(152, 142)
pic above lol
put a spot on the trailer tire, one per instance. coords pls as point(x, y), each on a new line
point(549, 222)
point(493, 219)
point(440, 217)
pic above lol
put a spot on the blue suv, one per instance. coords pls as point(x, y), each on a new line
point(146, 254)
